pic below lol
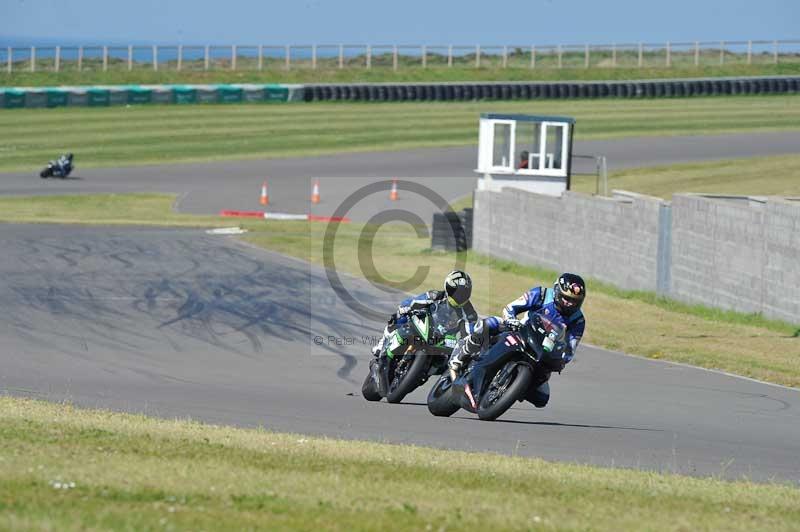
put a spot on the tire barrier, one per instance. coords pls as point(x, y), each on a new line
point(452, 231)
point(158, 94)
point(13, 97)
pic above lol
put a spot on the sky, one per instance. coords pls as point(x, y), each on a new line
point(393, 22)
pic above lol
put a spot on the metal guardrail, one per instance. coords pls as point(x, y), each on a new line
point(256, 57)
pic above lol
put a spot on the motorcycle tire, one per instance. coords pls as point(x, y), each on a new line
point(369, 390)
point(439, 398)
point(490, 410)
point(413, 378)
point(44, 174)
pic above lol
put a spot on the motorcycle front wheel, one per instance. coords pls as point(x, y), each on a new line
point(508, 386)
point(439, 398)
point(408, 374)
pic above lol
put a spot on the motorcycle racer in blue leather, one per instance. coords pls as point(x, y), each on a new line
point(561, 304)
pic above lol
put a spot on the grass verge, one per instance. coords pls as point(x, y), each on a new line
point(633, 322)
point(68, 468)
point(757, 176)
point(276, 73)
point(114, 136)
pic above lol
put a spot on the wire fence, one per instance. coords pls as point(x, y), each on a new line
point(94, 58)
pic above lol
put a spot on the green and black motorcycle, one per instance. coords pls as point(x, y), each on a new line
point(417, 349)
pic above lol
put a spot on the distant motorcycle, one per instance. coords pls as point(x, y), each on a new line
point(61, 167)
point(506, 371)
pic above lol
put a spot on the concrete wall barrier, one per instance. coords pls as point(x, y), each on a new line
point(737, 253)
point(612, 239)
point(734, 253)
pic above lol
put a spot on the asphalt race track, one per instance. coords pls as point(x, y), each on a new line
point(179, 323)
point(207, 188)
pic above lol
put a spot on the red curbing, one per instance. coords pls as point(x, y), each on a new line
point(242, 214)
point(284, 216)
point(314, 218)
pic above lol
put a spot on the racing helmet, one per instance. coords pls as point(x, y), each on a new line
point(569, 291)
point(458, 287)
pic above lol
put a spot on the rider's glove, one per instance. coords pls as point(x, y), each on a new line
point(402, 311)
point(513, 323)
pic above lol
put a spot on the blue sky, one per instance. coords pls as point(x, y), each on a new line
point(399, 21)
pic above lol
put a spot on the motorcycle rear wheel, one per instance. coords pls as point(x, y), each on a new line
point(439, 398)
point(412, 378)
point(492, 406)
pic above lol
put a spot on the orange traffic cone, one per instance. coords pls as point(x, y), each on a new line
point(393, 193)
point(315, 192)
point(264, 194)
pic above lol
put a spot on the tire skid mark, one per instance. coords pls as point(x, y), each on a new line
point(191, 287)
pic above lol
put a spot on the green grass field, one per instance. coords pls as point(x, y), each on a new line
point(757, 176)
point(163, 134)
point(275, 72)
point(63, 468)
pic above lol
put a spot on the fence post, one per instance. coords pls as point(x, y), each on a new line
point(749, 52)
point(341, 56)
point(559, 56)
point(58, 58)
point(369, 56)
point(424, 56)
point(614, 55)
point(206, 58)
point(641, 58)
point(664, 250)
point(505, 56)
point(669, 55)
point(533, 56)
point(586, 56)
point(775, 52)
point(33, 59)
point(449, 55)
point(313, 56)
point(155, 57)
point(394, 57)
point(477, 56)
point(180, 57)
point(260, 57)
point(722, 52)
point(105, 58)
point(80, 58)
point(288, 57)
point(233, 57)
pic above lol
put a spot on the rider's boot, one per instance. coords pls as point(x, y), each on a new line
point(463, 354)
